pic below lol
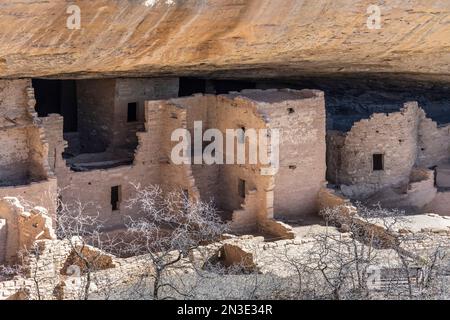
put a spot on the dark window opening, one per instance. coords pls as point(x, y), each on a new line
point(132, 112)
point(115, 198)
point(241, 188)
point(190, 86)
point(291, 110)
point(57, 96)
point(378, 162)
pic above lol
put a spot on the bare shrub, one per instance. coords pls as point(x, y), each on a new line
point(170, 226)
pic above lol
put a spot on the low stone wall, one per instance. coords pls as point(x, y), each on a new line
point(279, 230)
point(51, 267)
point(23, 228)
point(411, 197)
point(421, 190)
point(347, 216)
point(17, 289)
point(329, 199)
point(42, 194)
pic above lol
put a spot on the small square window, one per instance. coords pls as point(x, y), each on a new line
point(132, 112)
point(378, 162)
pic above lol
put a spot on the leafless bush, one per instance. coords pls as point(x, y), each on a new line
point(169, 235)
point(170, 226)
point(9, 272)
point(342, 267)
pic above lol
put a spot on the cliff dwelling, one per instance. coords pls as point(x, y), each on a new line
point(223, 129)
point(93, 139)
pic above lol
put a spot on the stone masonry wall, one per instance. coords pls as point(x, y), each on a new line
point(24, 169)
point(93, 188)
point(150, 166)
point(13, 102)
point(14, 161)
point(14, 124)
point(235, 113)
point(137, 90)
point(433, 143)
point(300, 117)
point(407, 139)
point(23, 228)
point(290, 111)
point(392, 135)
point(204, 109)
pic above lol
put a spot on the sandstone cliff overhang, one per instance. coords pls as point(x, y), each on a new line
point(257, 38)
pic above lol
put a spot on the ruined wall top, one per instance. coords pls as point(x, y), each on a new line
point(23, 228)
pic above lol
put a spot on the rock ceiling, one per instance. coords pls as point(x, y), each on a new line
point(231, 38)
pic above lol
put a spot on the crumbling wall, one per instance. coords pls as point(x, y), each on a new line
point(93, 188)
point(53, 128)
point(23, 228)
point(433, 142)
point(53, 271)
point(38, 154)
point(174, 177)
point(44, 268)
point(13, 102)
point(151, 166)
point(203, 108)
point(276, 229)
point(23, 151)
point(14, 159)
point(346, 215)
point(411, 197)
point(408, 142)
point(300, 116)
point(136, 90)
point(103, 110)
point(24, 169)
point(393, 135)
point(236, 113)
point(421, 189)
point(42, 194)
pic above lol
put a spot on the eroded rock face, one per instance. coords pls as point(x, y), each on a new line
point(208, 36)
